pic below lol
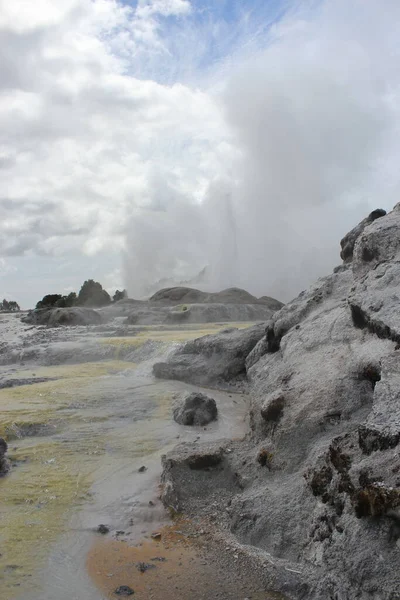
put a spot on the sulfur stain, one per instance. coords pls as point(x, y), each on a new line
point(173, 568)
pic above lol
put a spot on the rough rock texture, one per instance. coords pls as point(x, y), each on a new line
point(317, 481)
point(195, 409)
point(349, 240)
point(4, 462)
point(63, 316)
point(217, 359)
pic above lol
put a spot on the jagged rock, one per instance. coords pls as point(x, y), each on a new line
point(195, 409)
point(217, 358)
point(349, 240)
point(329, 507)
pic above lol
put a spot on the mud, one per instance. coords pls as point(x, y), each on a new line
point(183, 565)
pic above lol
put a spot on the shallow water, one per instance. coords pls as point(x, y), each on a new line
point(77, 441)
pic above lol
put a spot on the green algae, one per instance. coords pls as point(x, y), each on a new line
point(50, 477)
point(36, 500)
point(41, 403)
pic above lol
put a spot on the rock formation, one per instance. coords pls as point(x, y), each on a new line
point(195, 409)
point(215, 360)
point(63, 316)
point(314, 490)
point(171, 306)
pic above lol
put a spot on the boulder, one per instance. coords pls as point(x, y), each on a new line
point(195, 409)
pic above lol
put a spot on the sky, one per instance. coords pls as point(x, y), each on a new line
point(142, 142)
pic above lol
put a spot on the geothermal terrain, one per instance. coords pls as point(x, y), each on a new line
point(86, 423)
point(209, 445)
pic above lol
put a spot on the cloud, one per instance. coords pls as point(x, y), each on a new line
point(314, 121)
point(235, 135)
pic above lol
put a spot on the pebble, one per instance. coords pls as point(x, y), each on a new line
point(142, 469)
point(124, 590)
point(156, 535)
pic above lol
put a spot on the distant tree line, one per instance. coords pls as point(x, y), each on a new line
point(9, 305)
point(90, 294)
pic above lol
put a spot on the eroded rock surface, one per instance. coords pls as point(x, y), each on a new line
point(316, 485)
point(213, 359)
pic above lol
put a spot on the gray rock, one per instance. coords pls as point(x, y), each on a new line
point(349, 240)
point(217, 358)
point(195, 409)
point(325, 381)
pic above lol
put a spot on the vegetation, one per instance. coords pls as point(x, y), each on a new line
point(57, 301)
point(91, 294)
point(9, 305)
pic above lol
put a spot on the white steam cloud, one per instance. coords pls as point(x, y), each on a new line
point(309, 145)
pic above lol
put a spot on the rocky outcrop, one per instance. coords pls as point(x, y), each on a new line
point(319, 474)
point(4, 462)
point(217, 359)
point(348, 242)
point(195, 409)
point(56, 317)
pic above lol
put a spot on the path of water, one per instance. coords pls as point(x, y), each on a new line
point(77, 440)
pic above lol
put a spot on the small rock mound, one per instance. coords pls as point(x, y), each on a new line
point(63, 316)
point(196, 409)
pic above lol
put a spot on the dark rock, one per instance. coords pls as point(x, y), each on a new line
point(103, 529)
point(143, 567)
point(3, 447)
point(375, 500)
point(142, 469)
point(5, 464)
point(124, 590)
point(272, 407)
point(196, 409)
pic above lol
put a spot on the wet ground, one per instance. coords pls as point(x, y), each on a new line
point(182, 564)
point(82, 415)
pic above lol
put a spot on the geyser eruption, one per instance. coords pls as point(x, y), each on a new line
point(311, 143)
